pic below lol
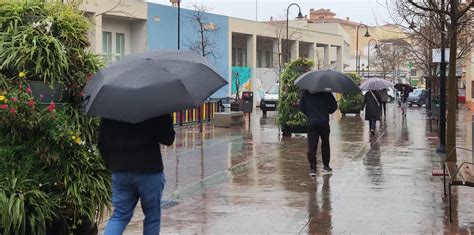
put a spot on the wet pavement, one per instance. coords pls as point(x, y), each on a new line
point(247, 180)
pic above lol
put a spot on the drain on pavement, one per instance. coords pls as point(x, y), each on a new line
point(166, 204)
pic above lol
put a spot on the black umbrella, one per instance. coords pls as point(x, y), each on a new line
point(399, 86)
point(143, 86)
point(327, 81)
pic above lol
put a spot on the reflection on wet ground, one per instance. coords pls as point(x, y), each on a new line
point(248, 179)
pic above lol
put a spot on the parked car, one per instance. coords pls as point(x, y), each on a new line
point(391, 94)
point(461, 96)
point(269, 101)
point(418, 97)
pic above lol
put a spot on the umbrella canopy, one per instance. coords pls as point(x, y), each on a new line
point(375, 84)
point(399, 86)
point(327, 81)
point(143, 86)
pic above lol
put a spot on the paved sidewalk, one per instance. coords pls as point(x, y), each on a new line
point(245, 180)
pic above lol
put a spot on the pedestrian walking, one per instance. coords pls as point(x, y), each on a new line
point(383, 100)
point(373, 110)
point(132, 153)
point(404, 98)
point(317, 108)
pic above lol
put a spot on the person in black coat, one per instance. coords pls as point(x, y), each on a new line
point(317, 108)
point(373, 110)
point(132, 153)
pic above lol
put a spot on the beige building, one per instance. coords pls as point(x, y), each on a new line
point(262, 46)
point(119, 27)
point(379, 33)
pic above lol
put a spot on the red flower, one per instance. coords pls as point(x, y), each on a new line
point(14, 99)
point(41, 96)
point(12, 110)
point(82, 93)
point(4, 106)
point(51, 106)
point(90, 76)
point(31, 103)
point(28, 90)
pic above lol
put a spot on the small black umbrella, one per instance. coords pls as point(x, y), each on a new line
point(327, 81)
point(399, 86)
point(143, 86)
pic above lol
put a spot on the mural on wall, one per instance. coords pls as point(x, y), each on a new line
point(241, 79)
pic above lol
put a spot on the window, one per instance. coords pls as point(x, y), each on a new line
point(107, 46)
point(413, 72)
point(268, 59)
point(119, 45)
point(259, 58)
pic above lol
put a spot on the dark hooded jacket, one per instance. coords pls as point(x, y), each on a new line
point(317, 107)
point(135, 148)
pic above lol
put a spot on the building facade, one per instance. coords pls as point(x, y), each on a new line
point(249, 52)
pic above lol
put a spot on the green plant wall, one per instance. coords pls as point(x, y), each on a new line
point(288, 113)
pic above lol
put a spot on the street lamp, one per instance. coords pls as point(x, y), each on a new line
point(357, 44)
point(299, 17)
point(178, 4)
point(368, 55)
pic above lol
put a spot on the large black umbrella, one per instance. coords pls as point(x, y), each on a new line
point(327, 81)
point(143, 86)
point(399, 86)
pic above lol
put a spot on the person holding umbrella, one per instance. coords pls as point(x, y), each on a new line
point(373, 101)
point(317, 102)
point(405, 90)
point(317, 108)
point(134, 97)
point(383, 100)
point(132, 153)
point(373, 109)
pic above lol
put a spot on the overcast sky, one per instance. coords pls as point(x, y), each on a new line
point(370, 12)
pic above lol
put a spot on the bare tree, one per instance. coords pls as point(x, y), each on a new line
point(454, 20)
point(390, 54)
point(206, 44)
point(279, 29)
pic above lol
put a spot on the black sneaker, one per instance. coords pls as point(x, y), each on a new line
point(327, 169)
point(312, 171)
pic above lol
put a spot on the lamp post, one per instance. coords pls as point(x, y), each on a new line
point(442, 91)
point(357, 45)
point(300, 16)
point(368, 55)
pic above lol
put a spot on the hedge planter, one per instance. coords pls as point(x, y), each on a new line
point(288, 130)
point(45, 93)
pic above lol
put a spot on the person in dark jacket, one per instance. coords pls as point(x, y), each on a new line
point(404, 98)
point(373, 110)
point(383, 100)
point(132, 153)
point(317, 108)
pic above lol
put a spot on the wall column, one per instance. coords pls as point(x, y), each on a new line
point(295, 50)
point(229, 60)
point(252, 63)
point(326, 60)
point(340, 59)
point(98, 34)
point(311, 52)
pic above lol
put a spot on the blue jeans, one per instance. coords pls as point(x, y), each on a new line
point(127, 188)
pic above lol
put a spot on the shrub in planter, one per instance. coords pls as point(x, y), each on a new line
point(51, 175)
point(42, 42)
point(289, 117)
point(351, 103)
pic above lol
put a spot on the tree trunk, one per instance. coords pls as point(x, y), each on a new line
point(452, 94)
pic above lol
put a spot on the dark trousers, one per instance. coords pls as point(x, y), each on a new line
point(372, 124)
point(384, 106)
point(314, 133)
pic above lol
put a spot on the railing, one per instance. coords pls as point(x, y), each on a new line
point(208, 109)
